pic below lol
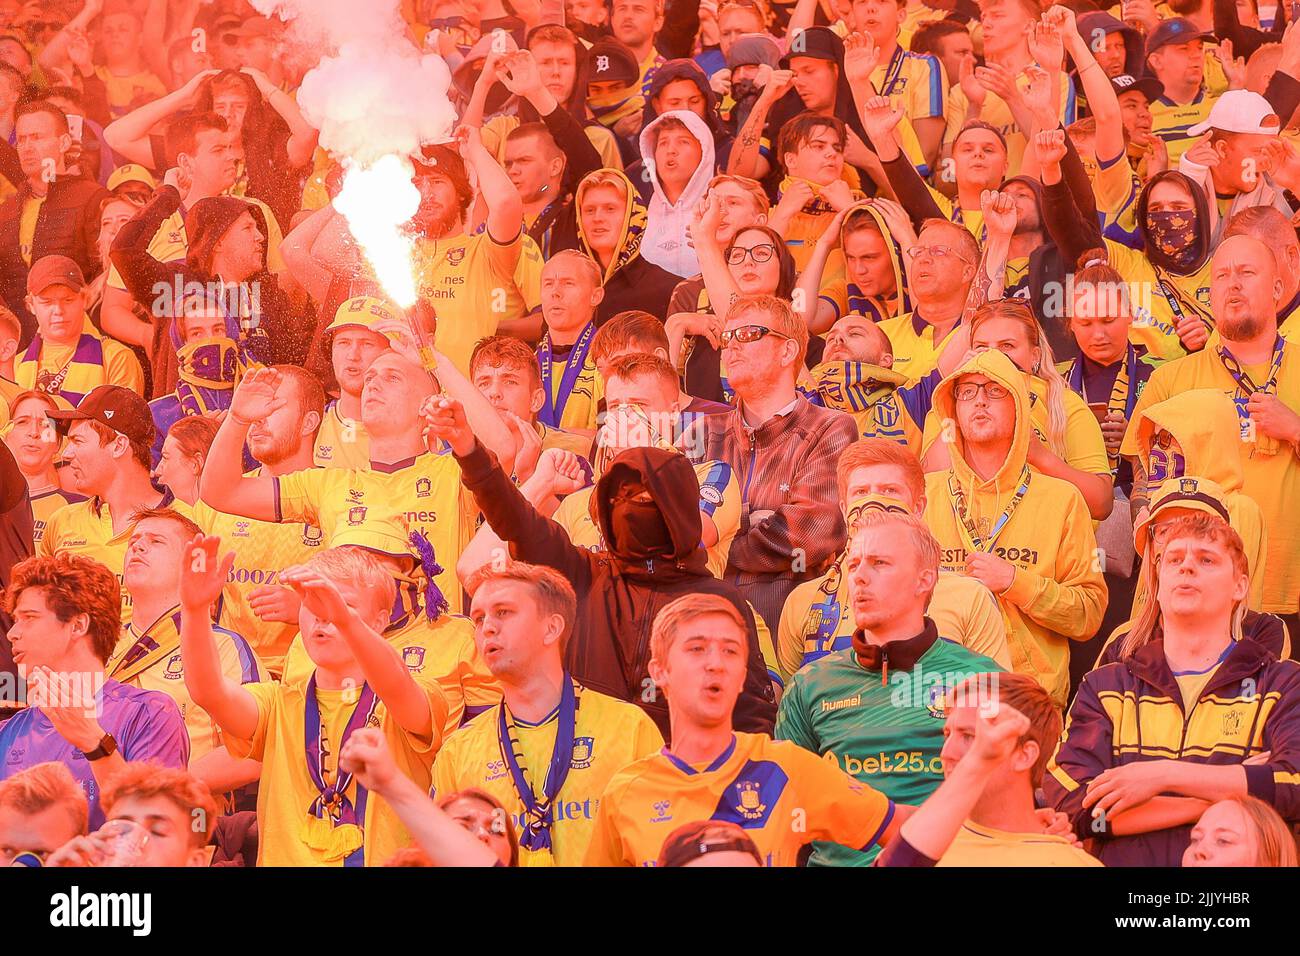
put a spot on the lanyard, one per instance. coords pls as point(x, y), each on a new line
point(553, 409)
point(957, 498)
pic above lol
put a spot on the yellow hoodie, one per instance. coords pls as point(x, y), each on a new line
point(1204, 424)
point(1057, 594)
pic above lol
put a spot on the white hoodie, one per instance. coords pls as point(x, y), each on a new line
point(664, 242)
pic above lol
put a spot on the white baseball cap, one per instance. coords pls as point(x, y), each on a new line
point(1239, 111)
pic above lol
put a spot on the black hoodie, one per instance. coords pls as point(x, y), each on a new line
point(619, 596)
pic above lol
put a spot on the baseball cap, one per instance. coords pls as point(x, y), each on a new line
point(612, 62)
point(54, 270)
point(121, 409)
point(1175, 30)
point(366, 311)
point(131, 173)
point(1147, 85)
point(817, 43)
point(1181, 494)
point(1239, 111)
point(690, 841)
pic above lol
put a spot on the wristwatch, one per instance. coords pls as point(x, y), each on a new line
point(107, 747)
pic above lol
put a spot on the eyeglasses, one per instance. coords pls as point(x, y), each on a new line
point(748, 333)
point(934, 252)
point(759, 254)
point(967, 391)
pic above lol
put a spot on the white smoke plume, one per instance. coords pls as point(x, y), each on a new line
point(375, 97)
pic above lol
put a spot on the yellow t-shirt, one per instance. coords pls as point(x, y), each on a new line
point(758, 783)
point(262, 550)
point(580, 445)
point(475, 283)
point(1270, 469)
point(125, 93)
point(608, 735)
point(341, 442)
point(1153, 314)
point(982, 846)
point(1171, 122)
point(912, 340)
point(86, 528)
point(286, 791)
point(163, 670)
point(719, 502)
point(963, 610)
point(441, 650)
point(44, 505)
point(916, 84)
point(426, 491)
point(27, 220)
point(583, 403)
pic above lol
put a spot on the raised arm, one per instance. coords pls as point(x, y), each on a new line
point(203, 577)
point(746, 158)
point(51, 58)
point(505, 210)
point(520, 76)
point(302, 135)
point(880, 119)
point(129, 135)
point(223, 484)
point(296, 251)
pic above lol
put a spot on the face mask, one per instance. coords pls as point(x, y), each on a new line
point(744, 90)
point(638, 528)
point(626, 426)
point(1174, 233)
point(211, 363)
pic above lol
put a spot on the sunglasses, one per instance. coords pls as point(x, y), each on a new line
point(760, 253)
point(748, 333)
point(967, 391)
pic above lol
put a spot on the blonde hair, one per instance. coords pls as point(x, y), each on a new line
point(919, 536)
point(687, 608)
point(1276, 843)
point(602, 177)
point(1019, 311)
point(353, 565)
point(186, 792)
point(46, 785)
point(1201, 527)
point(552, 592)
point(585, 263)
point(750, 187)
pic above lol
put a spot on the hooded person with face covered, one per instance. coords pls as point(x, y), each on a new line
point(678, 147)
point(1024, 534)
point(646, 504)
point(227, 247)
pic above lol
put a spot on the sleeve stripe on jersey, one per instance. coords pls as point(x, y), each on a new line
point(718, 477)
point(275, 493)
point(884, 825)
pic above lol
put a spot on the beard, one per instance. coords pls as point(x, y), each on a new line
point(277, 449)
point(435, 225)
point(1238, 328)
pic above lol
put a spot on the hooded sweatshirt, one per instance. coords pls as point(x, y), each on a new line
point(670, 72)
point(620, 593)
point(630, 281)
point(844, 296)
point(1038, 523)
point(665, 241)
point(1203, 422)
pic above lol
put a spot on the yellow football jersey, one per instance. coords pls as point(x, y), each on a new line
point(915, 84)
point(125, 93)
point(719, 500)
point(286, 791)
point(1153, 304)
point(608, 735)
point(782, 795)
point(425, 490)
point(583, 402)
point(44, 505)
point(441, 650)
point(157, 665)
point(341, 442)
point(28, 218)
point(977, 845)
point(474, 286)
point(262, 550)
point(86, 528)
point(1171, 122)
point(997, 113)
point(912, 339)
point(580, 445)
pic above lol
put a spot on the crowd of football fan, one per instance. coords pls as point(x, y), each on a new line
point(829, 432)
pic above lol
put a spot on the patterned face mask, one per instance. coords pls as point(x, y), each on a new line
point(1174, 233)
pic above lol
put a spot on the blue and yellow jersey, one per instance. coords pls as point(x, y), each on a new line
point(914, 83)
point(1154, 296)
point(341, 442)
point(262, 550)
point(608, 735)
point(426, 491)
point(911, 338)
point(719, 502)
point(997, 113)
point(288, 834)
point(757, 783)
point(1171, 122)
point(150, 659)
point(44, 505)
point(977, 845)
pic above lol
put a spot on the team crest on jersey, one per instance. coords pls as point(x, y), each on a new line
point(241, 529)
point(886, 414)
point(312, 536)
point(936, 701)
point(455, 256)
point(413, 658)
point(175, 668)
point(751, 805)
point(355, 494)
point(422, 487)
point(372, 720)
point(582, 751)
point(356, 515)
point(1232, 723)
point(710, 494)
